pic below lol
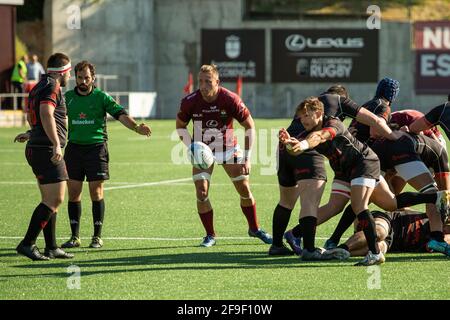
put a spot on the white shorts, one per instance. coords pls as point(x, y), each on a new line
point(410, 170)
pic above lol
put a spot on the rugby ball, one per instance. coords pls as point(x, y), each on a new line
point(200, 155)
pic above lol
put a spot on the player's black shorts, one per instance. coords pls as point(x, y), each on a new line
point(43, 168)
point(363, 169)
point(433, 154)
point(308, 165)
point(90, 161)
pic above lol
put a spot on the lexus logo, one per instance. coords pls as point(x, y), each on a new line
point(212, 124)
point(297, 42)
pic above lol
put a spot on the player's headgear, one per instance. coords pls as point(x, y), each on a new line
point(388, 88)
point(58, 63)
point(339, 90)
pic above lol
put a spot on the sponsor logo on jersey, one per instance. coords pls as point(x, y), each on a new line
point(212, 123)
point(83, 122)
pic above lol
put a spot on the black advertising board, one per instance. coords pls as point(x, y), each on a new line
point(321, 55)
point(236, 52)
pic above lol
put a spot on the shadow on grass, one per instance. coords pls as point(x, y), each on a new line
point(174, 262)
point(205, 260)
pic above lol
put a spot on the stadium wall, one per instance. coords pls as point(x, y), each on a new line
point(153, 45)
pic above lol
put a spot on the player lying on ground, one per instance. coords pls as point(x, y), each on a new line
point(399, 231)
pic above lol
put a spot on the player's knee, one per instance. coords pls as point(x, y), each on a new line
point(381, 232)
point(202, 195)
point(382, 245)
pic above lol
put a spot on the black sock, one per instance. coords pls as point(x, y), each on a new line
point(280, 221)
point(344, 246)
point(344, 223)
point(438, 236)
point(297, 231)
point(368, 224)
point(308, 231)
point(98, 213)
point(50, 233)
point(38, 221)
point(75, 217)
point(408, 199)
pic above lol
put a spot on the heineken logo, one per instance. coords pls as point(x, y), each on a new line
point(83, 122)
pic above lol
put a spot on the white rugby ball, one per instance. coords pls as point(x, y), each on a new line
point(200, 155)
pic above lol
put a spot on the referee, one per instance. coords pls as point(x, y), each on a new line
point(86, 154)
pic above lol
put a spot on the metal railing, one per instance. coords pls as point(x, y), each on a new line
point(9, 101)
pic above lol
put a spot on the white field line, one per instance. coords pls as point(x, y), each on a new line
point(138, 184)
point(147, 184)
point(152, 239)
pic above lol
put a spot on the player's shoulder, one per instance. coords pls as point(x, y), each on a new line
point(191, 98)
point(225, 94)
point(97, 92)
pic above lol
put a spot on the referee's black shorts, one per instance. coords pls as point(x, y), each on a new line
point(44, 169)
point(87, 161)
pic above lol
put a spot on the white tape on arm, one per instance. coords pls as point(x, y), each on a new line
point(304, 145)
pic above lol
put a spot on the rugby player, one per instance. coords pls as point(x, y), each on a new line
point(304, 176)
point(212, 109)
point(47, 118)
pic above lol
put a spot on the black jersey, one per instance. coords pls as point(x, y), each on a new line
point(343, 151)
point(411, 232)
point(334, 106)
point(46, 91)
point(440, 115)
point(379, 108)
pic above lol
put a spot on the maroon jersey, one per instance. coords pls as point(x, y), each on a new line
point(213, 121)
point(407, 117)
point(46, 91)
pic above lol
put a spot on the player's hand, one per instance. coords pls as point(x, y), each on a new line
point(22, 137)
point(144, 130)
point(246, 167)
point(293, 147)
point(57, 154)
point(283, 136)
point(405, 128)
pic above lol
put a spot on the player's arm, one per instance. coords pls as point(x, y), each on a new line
point(183, 132)
point(419, 125)
point(296, 147)
point(131, 124)
point(46, 112)
point(377, 124)
point(249, 126)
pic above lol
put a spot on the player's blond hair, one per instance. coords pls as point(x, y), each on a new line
point(210, 68)
point(310, 104)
